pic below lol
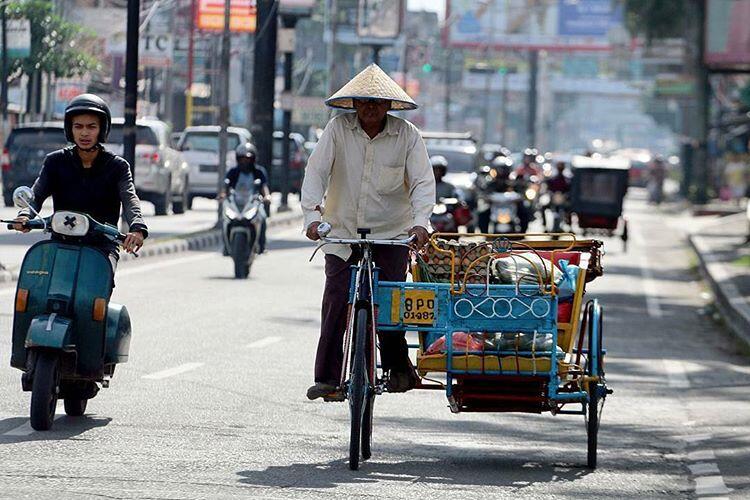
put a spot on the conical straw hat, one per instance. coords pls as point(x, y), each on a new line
point(371, 83)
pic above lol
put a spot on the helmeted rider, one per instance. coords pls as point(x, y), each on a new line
point(529, 165)
point(243, 176)
point(85, 177)
point(560, 182)
point(443, 189)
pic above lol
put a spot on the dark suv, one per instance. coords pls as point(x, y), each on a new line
point(24, 152)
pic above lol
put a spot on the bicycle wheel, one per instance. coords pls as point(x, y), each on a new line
point(358, 388)
point(596, 394)
point(369, 408)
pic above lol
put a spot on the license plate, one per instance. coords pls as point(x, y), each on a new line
point(209, 168)
point(418, 307)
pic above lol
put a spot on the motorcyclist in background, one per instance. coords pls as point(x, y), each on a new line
point(560, 182)
point(499, 178)
point(443, 189)
point(244, 176)
point(529, 165)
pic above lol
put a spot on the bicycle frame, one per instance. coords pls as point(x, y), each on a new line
point(363, 282)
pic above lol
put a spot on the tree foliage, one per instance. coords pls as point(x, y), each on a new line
point(57, 45)
point(655, 19)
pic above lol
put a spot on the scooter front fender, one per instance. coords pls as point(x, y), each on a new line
point(49, 330)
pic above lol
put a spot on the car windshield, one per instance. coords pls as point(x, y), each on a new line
point(143, 135)
point(208, 141)
point(28, 147)
point(459, 159)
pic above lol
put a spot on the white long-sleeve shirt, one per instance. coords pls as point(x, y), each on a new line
point(384, 184)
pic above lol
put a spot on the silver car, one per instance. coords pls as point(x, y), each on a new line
point(161, 172)
point(200, 147)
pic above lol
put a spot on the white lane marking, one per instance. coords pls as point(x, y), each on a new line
point(710, 485)
point(649, 287)
point(263, 342)
point(695, 438)
point(701, 456)
point(165, 263)
point(170, 372)
point(704, 469)
point(676, 375)
point(25, 428)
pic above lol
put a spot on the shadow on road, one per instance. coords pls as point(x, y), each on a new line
point(467, 471)
point(65, 427)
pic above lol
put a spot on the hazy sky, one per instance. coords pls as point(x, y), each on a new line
point(433, 5)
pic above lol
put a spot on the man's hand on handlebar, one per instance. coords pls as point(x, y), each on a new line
point(421, 235)
point(312, 231)
point(133, 242)
point(20, 222)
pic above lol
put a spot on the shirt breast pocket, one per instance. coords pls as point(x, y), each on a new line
point(390, 178)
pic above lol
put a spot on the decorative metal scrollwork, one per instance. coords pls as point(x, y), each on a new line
point(503, 308)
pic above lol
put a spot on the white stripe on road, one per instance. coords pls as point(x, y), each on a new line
point(701, 456)
point(26, 430)
point(649, 287)
point(263, 342)
point(676, 375)
point(710, 485)
point(170, 372)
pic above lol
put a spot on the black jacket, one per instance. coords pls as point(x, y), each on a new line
point(98, 191)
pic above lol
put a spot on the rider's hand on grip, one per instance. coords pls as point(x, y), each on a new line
point(312, 231)
point(20, 224)
point(420, 234)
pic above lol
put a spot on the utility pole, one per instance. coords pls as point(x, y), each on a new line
point(131, 82)
point(288, 22)
point(532, 96)
point(447, 72)
point(504, 109)
point(4, 83)
point(224, 104)
point(703, 95)
point(191, 63)
point(264, 74)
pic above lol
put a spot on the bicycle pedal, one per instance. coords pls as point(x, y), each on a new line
point(334, 397)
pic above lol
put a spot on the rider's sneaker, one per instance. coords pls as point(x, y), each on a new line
point(328, 392)
point(403, 380)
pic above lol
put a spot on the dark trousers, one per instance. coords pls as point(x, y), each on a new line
point(392, 262)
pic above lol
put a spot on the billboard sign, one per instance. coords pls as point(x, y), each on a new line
point(19, 38)
point(380, 19)
point(242, 15)
point(551, 25)
point(728, 34)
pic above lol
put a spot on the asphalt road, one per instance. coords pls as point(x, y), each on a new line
point(211, 404)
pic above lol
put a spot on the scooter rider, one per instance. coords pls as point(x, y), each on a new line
point(443, 189)
point(85, 177)
point(244, 176)
point(559, 183)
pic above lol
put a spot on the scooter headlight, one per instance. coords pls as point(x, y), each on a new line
point(250, 212)
point(230, 212)
point(530, 194)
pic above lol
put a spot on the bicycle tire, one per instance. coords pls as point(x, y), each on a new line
point(358, 388)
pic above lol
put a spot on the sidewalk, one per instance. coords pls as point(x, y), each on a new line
point(193, 230)
point(725, 262)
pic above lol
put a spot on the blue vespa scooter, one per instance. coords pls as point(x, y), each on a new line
point(67, 336)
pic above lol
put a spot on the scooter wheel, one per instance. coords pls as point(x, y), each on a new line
point(75, 407)
point(44, 391)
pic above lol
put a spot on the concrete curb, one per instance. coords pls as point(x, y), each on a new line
point(201, 240)
point(733, 306)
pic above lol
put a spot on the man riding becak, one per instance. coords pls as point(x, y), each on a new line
point(369, 170)
point(85, 177)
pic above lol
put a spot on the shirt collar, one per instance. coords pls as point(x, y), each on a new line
point(391, 124)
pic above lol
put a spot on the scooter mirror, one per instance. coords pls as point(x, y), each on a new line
point(23, 196)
